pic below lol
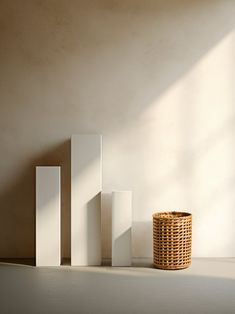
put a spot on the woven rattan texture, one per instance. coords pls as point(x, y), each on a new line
point(172, 240)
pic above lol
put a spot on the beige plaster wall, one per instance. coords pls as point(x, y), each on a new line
point(156, 78)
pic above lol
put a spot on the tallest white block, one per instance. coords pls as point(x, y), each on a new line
point(86, 186)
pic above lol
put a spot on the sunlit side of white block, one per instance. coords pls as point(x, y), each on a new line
point(86, 186)
point(121, 228)
point(48, 204)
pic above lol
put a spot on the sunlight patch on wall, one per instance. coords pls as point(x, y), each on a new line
point(190, 133)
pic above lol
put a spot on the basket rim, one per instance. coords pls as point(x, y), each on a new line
point(174, 215)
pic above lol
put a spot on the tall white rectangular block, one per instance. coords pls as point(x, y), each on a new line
point(86, 186)
point(48, 203)
point(121, 228)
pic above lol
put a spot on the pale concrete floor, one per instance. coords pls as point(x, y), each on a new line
point(208, 286)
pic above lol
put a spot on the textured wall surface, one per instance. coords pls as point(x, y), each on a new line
point(155, 77)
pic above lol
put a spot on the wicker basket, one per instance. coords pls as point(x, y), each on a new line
point(172, 240)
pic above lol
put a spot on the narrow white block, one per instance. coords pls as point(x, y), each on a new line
point(48, 249)
point(86, 186)
point(121, 228)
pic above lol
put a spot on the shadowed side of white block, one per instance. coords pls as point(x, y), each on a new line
point(121, 228)
point(48, 204)
point(86, 186)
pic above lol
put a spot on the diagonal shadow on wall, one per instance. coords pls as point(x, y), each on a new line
point(18, 206)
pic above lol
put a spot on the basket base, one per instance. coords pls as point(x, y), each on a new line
point(165, 267)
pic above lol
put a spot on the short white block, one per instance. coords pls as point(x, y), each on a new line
point(48, 204)
point(86, 186)
point(121, 228)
